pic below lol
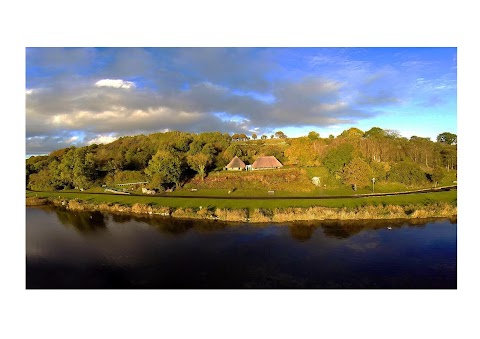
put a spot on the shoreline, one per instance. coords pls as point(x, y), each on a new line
point(262, 215)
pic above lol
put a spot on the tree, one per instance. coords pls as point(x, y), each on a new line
point(209, 150)
point(357, 172)
point(422, 149)
point(41, 181)
point(66, 168)
point(196, 146)
point(338, 157)
point(379, 170)
point(448, 155)
point(313, 135)
point(375, 132)
point(55, 173)
point(437, 175)
point(302, 152)
point(82, 169)
point(264, 137)
point(254, 136)
point(232, 151)
point(198, 162)
point(272, 136)
point(280, 135)
point(447, 138)
point(169, 165)
point(352, 132)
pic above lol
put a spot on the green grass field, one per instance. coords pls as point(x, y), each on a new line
point(177, 202)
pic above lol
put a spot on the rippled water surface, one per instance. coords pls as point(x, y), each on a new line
point(94, 250)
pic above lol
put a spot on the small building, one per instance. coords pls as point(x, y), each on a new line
point(266, 163)
point(235, 165)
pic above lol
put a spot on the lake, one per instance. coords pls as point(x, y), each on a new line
point(85, 250)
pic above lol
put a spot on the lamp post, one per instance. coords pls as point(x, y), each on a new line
point(373, 183)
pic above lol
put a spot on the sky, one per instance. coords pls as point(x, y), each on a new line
point(80, 96)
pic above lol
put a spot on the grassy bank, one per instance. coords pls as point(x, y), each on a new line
point(178, 202)
point(439, 204)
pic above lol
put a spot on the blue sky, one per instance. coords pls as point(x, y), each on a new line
point(79, 96)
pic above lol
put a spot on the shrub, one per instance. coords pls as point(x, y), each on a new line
point(407, 173)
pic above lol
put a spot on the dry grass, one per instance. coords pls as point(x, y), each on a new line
point(76, 205)
point(261, 215)
point(34, 201)
point(435, 210)
point(265, 215)
point(231, 215)
point(142, 209)
point(183, 213)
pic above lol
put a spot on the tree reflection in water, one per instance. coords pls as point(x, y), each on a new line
point(168, 225)
point(348, 228)
point(302, 232)
point(87, 222)
point(83, 222)
point(343, 229)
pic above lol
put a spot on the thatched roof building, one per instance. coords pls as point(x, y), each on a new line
point(266, 162)
point(235, 165)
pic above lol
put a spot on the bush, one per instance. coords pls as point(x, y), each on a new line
point(407, 173)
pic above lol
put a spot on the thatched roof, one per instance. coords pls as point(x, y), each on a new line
point(236, 163)
point(266, 162)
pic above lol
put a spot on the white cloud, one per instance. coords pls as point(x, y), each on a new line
point(115, 83)
point(102, 139)
point(71, 140)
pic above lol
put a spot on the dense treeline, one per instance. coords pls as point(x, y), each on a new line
point(170, 159)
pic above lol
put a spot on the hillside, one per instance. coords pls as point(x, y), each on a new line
point(183, 161)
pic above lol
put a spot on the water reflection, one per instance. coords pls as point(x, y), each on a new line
point(346, 229)
point(120, 218)
point(302, 232)
point(83, 222)
point(87, 222)
point(172, 226)
point(157, 252)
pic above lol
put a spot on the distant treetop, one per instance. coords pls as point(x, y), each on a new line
point(352, 132)
point(447, 138)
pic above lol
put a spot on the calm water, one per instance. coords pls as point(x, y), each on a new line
point(94, 250)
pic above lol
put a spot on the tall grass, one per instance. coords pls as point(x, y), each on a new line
point(264, 214)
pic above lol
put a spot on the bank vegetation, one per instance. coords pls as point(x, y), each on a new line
point(262, 215)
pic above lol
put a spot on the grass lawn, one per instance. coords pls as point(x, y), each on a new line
point(172, 201)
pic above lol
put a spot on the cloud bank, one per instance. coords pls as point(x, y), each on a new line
point(84, 96)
